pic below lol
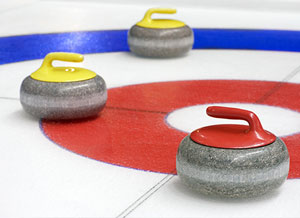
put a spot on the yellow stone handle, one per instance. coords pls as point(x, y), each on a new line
point(60, 56)
point(147, 17)
point(48, 73)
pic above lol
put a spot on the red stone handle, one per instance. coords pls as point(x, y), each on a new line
point(237, 114)
point(231, 135)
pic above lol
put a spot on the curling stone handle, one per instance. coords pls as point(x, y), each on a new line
point(237, 114)
point(151, 11)
point(60, 56)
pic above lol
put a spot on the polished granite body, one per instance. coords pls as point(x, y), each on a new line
point(232, 173)
point(160, 43)
point(63, 100)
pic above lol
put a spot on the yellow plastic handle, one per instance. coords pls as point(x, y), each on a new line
point(151, 11)
point(148, 22)
point(48, 73)
point(60, 56)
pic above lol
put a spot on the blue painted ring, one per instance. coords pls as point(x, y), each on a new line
point(36, 46)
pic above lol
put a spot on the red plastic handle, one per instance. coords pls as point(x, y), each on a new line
point(230, 135)
point(238, 114)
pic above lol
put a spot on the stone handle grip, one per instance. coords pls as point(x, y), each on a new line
point(151, 11)
point(61, 56)
point(238, 114)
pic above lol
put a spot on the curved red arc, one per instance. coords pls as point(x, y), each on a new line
point(139, 139)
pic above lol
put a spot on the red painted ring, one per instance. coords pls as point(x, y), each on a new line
point(132, 132)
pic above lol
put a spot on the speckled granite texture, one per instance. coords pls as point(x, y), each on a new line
point(66, 100)
point(232, 173)
point(160, 43)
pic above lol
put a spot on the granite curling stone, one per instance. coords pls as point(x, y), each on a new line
point(160, 38)
point(232, 161)
point(60, 93)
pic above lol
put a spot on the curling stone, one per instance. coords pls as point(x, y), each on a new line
point(60, 93)
point(234, 161)
point(160, 38)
